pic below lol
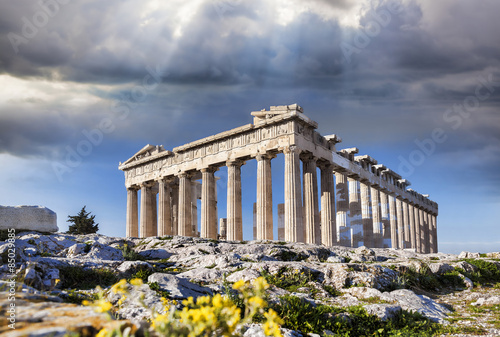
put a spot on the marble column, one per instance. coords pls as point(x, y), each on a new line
point(294, 230)
point(411, 220)
point(146, 209)
point(431, 232)
point(418, 233)
point(195, 195)
point(264, 197)
point(175, 209)
point(400, 222)
point(393, 222)
point(185, 228)
point(208, 216)
point(386, 219)
point(423, 232)
point(164, 209)
point(281, 222)
point(312, 232)
point(356, 223)
point(406, 226)
point(366, 218)
point(434, 227)
point(376, 218)
point(153, 229)
point(234, 208)
point(342, 199)
point(255, 221)
point(222, 229)
point(328, 225)
point(132, 228)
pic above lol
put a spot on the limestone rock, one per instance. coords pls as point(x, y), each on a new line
point(410, 301)
point(469, 255)
point(100, 251)
point(128, 268)
point(35, 218)
point(440, 268)
point(468, 267)
point(383, 311)
point(178, 287)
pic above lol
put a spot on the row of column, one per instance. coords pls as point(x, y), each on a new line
point(363, 213)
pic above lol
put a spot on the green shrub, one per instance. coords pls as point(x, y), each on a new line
point(299, 314)
point(288, 278)
point(129, 254)
point(142, 274)
point(488, 273)
point(156, 287)
point(78, 277)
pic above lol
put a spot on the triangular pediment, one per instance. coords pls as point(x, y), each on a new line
point(146, 151)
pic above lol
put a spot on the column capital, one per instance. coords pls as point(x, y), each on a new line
point(325, 165)
point(307, 156)
point(292, 148)
point(164, 179)
point(209, 169)
point(263, 156)
point(133, 187)
point(184, 174)
point(146, 184)
point(235, 162)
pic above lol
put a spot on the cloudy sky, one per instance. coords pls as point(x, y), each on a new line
point(415, 84)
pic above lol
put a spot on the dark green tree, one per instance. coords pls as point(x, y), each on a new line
point(83, 223)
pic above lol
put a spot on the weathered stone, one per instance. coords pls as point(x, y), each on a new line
point(469, 255)
point(468, 267)
point(128, 268)
point(245, 275)
point(383, 311)
point(179, 287)
point(362, 292)
point(440, 268)
point(100, 251)
point(35, 218)
point(408, 300)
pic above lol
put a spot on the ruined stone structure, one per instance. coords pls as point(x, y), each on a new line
point(362, 202)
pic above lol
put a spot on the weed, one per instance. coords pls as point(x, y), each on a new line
point(203, 251)
point(75, 276)
point(331, 290)
point(156, 287)
point(142, 274)
point(212, 266)
point(129, 254)
point(488, 273)
point(163, 238)
point(288, 278)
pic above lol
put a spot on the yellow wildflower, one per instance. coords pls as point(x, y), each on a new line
point(120, 287)
point(260, 284)
point(257, 302)
point(271, 326)
point(238, 285)
point(102, 306)
point(102, 333)
point(136, 282)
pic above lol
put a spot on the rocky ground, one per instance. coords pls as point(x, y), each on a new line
point(460, 294)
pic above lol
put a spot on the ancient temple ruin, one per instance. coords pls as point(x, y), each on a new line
point(361, 201)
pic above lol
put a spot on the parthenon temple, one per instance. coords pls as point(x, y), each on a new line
point(356, 202)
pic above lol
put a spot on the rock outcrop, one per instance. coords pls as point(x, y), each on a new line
point(34, 218)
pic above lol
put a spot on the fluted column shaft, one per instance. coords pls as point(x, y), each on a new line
point(146, 210)
point(175, 209)
point(312, 232)
point(264, 198)
point(152, 230)
point(184, 214)
point(164, 209)
point(393, 222)
point(366, 218)
point(423, 232)
point(400, 222)
point(342, 199)
point(356, 223)
point(418, 230)
point(434, 226)
point(386, 220)
point(294, 230)
point(376, 218)
point(411, 219)
point(328, 225)
point(132, 229)
point(431, 232)
point(406, 226)
point(234, 209)
point(208, 216)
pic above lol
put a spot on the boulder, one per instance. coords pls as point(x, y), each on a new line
point(103, 252)
point(178, 287)
point(440, 268)
point(383, 311)
point(129, 268)
point(469, 255)
point(469, 268)
point(35, 218)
